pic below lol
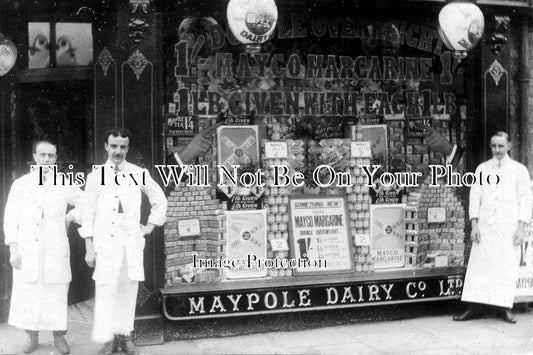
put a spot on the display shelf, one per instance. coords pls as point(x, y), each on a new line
point(267, 283)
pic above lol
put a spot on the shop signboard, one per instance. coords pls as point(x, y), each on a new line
point(290, 298)
point(319, 235)
point(246, 240)
point(387, 232)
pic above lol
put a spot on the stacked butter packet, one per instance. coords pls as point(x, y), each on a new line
point(276, 201)
point(296, 160)
point(279, 128)
point(359, 210)
point(331, 153)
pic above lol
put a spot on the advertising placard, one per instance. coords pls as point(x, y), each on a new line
point(387, 231)
point(246, 236)
point(524, 282)
point(319, 234)
point(237, 145)
point(377, 135)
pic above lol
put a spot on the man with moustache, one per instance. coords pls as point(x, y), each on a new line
point(114, 239)
point(35, 226)
point(499, 214)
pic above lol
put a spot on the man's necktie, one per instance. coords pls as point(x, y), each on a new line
point(42, 207)
point(43, 180)
point(499, 163)
point(120, 210)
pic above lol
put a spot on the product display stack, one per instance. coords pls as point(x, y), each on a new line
point(276, 200)
point(333, 153)
point(448, 234)
point(195, 206)
point(435, 216)
point(359, 204)
point(297, 157)
point(196, 225)
point(279, 128)
point(435, 222)
point(416, 233)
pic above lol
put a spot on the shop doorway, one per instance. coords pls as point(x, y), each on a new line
point(62, 112)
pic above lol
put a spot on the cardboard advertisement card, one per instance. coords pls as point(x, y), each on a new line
point(387, 231)
point(246, 237)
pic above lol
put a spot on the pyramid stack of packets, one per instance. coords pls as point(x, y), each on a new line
point(428, 242)
point(359, 204)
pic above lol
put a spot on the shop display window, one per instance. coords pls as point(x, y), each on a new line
point(343, 105)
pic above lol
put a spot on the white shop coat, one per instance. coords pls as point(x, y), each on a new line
point(35, 216)
point(494, 261)
point(101, 219)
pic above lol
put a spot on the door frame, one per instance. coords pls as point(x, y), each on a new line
point(9, 142)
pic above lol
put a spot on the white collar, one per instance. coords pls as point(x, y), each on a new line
point(504, 161)
point(121, 166)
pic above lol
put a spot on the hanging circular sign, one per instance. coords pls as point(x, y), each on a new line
point(252, 21)
point(8, 55)
point(461, 26)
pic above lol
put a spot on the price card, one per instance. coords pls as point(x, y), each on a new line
point(189, 227)
point(361, 149)
point(279, 245)
point(436, 215)
point(362, 239)
point(275, 150)
point(180, 126)
point(462, 109)
point(441, 261)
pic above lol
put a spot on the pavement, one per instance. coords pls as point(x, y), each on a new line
point(430, 334)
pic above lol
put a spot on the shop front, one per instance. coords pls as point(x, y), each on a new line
point(321, 189)
point(339, 199)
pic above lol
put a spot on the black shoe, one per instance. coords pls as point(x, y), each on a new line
point(116, 344)
point(507, 316)
point(61, 344)
point(467, 315)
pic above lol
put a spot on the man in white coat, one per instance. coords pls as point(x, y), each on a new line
point(35, 225)
point(499, 214)
point(114, 239)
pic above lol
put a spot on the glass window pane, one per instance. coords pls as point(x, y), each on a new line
point(74, 44)
point(39, 45)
